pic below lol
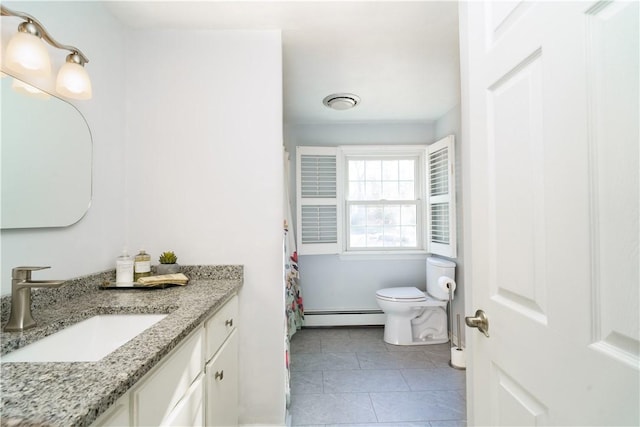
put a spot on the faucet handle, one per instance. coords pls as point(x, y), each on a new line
point(24, 273)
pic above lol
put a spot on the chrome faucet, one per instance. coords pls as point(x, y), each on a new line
point(21, 284)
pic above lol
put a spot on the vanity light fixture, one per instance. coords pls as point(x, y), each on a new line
point(27, 56)
point(341, 101)
point(73, 80)
point(26, 53)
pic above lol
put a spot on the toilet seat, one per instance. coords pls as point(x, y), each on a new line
point(402, 294)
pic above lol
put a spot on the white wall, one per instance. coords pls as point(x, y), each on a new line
point(349, 132)
point(329, 283)
point(449, 124)
point(187, 157)
point(92, 244)
point(204, 178)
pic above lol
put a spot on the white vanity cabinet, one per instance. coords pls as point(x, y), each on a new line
point(220, 326)
point(221, 379)
point(156, 396)
point(221, 369)
point(117, 415)
point(190, 410)
point(195, 385)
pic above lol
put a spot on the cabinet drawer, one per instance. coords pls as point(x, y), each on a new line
point(163, 388)
point(220, 326)
point(189, 411)
point(221, 376)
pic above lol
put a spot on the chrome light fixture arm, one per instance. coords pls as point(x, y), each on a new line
point(78, 56)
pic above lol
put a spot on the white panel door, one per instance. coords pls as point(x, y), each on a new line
point(551, 161)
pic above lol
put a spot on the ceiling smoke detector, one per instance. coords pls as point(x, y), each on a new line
point(341, 101)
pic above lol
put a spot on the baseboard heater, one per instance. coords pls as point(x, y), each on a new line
point(343, 317)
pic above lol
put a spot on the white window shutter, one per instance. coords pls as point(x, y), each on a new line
point(441, 198)
point(317, 200)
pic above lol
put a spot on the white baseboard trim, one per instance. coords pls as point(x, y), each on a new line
point(327, 318)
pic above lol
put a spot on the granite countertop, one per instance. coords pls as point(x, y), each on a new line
point(75, 394)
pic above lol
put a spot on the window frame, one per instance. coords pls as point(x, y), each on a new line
point(417, 154)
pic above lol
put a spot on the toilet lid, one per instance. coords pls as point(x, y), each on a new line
point(402, 294)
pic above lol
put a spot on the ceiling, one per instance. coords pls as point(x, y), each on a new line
point(400, 57)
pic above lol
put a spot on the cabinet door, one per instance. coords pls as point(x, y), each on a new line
point(220, 326)
point(116, 416)
point(161, 390)
point(189, 412)
point(222, 385)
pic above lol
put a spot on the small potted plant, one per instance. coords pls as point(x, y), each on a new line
point(168, 264)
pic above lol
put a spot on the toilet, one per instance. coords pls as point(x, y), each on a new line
point(415, 317)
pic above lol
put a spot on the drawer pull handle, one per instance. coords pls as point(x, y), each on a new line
point(219, 375)
point(228, 322)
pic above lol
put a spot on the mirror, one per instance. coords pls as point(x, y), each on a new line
point(46, 150)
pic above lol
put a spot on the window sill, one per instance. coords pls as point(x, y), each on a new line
point(382, 255)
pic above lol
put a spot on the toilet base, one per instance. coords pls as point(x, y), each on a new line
point(424, 327)
point(425, 342)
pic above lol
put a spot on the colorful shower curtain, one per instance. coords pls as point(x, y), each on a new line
point(294, 311)
point(293, 298)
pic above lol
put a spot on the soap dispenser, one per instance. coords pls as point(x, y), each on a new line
point(141, 266)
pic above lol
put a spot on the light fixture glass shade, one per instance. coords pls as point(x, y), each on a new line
point(26, 89)
point(73, 82)
point(27, 55)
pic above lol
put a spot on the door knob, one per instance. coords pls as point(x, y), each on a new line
point(480, 321)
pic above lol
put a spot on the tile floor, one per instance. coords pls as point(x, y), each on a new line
point(351, 377)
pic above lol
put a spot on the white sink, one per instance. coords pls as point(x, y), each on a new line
point(86, 341)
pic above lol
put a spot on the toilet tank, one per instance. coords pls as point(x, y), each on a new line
point(436, 268)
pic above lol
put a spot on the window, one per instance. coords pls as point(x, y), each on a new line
point(382, 202)
point(376, 199)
